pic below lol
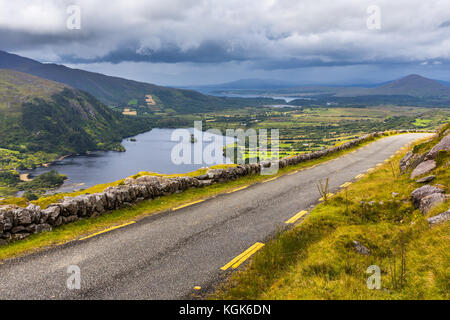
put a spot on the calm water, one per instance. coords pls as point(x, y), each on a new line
point(151, 152)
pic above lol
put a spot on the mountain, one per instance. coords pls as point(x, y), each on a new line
point(413, 85)
point(42, 115)
point(117, 91)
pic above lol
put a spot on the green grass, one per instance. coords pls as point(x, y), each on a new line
point(317, 259)
point(422, 123)
point(77, 229)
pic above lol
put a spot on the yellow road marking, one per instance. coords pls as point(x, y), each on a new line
point(329, 196)
point(270, 180)
point(359, 176)
point(107, 230)
point(379, 165)
point(187, 205)
point(238, 189)
point(370, 170)
point(292, 173)
point(236, 262)
point(298, 216)
point(345, 185)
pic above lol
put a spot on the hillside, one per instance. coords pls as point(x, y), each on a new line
point(43, 117)
point(119, 92)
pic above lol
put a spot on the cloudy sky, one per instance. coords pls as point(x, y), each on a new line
point(191, 42)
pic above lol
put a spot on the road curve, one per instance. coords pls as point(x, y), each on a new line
point(166, 255)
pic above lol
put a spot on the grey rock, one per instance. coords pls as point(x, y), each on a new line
point(6, 235)
point(52, 213)
point(69, 219)
point(428, 202)
point(420, 193)
point(410, 160)
point(58, 221)
point(43, 228)
point(18, 229)
point(361, 249)
point(3, 242)
point(203, 177)
point(426, 179)
point(205, 183)
point(215, 174)
point(22, 216)
point(443, 145)
point(68, 207)
point(423, 168)
point(19, 236)
point(439, 219)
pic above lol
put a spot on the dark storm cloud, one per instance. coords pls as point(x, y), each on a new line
point(207, 52)
point(265, 34)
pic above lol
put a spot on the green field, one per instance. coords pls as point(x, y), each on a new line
point(311, 129)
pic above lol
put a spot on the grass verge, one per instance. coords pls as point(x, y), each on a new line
point(317, 259)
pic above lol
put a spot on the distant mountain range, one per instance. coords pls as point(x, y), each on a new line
point(414, 86)
point(115, 91)
point(118, 91)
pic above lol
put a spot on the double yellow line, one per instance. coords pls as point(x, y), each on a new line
point(345, 185)
point(297, 217)
point(106, 230)
point(187, 205)
point(240, 259)
point(238, 189)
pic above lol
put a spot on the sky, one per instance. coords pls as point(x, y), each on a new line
point(196, 42)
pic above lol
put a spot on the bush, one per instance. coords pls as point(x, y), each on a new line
point(30, 196)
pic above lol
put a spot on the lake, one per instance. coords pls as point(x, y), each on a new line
point(150, 152)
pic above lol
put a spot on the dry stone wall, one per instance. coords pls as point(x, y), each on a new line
point(18, 223)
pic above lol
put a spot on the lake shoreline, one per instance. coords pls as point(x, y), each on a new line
point(151, 152)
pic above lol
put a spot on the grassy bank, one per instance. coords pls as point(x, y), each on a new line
point(77, 229)
point(317, 258)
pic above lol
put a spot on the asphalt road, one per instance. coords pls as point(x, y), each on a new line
point(166, 255)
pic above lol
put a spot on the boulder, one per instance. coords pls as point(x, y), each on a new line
point(439, 219)
point(426, 179)
point(52, 213)
point(443, 145)
point(68, 207)
point(215, 174)
point(420, 193)
point(410, 160)
point(69, 219)
point(423, 168)
point(19, 236)
point(44, 227)
point(361, 249)
point(428, 202)
point(22, 216)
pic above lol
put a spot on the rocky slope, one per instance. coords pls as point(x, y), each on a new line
point(425, 159)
